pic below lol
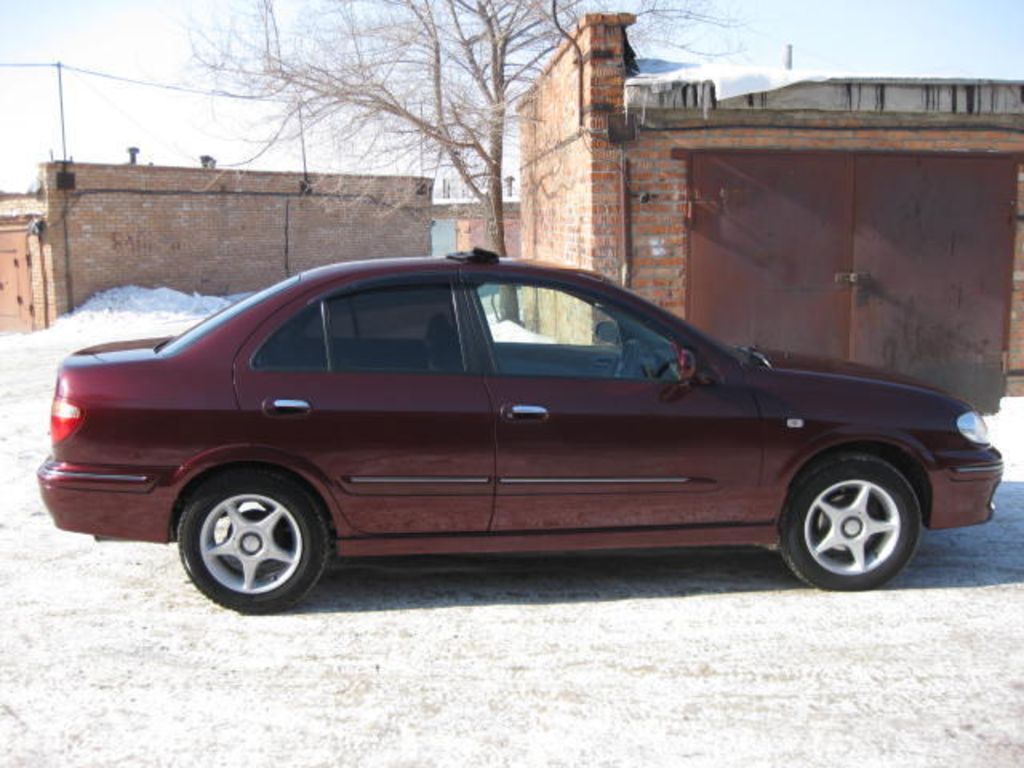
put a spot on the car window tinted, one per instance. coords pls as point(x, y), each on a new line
point(298, 345)
point(539, 330)
point(410, 329)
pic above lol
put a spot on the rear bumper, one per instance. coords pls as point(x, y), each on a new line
point(963, 491)
point(109, 502)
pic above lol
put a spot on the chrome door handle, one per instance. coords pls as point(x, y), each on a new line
point(512, 412)
point(286, 407)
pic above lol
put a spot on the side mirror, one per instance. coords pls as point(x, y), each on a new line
point(687, 364)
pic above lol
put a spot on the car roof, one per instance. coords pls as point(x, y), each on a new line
point(428, 264)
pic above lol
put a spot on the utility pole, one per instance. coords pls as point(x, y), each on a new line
point(60, 95)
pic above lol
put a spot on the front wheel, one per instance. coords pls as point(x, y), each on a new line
point(253, 541)
point(851, 524)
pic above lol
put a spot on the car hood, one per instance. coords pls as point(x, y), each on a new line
point(792, 361)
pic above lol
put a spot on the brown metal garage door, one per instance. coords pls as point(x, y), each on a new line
point(900, 261)
point(771, 232)
point(15, 284)
point(934, 237)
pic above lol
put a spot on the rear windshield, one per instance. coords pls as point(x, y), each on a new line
point(213, 322)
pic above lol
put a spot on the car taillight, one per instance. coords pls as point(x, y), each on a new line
point(65, 418)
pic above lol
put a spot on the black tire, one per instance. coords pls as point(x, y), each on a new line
point(221, 523)
point(848, 506)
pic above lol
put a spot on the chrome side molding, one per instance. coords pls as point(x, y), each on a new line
point(381, 479)
point(594, 480)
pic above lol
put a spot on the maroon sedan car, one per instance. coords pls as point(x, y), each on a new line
point(464, 405)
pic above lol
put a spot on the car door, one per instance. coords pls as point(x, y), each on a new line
point(372, 387)
point(593, 427)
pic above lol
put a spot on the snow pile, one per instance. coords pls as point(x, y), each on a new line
point(511, 331)
point(129, 307)
point(729, 79)
point(132, 298)
point(123, 313)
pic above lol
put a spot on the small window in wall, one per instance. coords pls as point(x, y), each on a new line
point(538, 330)
point(408, 329)
point(298, 345)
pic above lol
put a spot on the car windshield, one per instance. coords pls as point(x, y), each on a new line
point(213, 322)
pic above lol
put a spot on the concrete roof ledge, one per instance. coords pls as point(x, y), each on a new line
point(876, 95)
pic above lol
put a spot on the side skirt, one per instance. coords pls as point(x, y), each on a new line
point(764, 535)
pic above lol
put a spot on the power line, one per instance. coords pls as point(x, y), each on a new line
point(135, 81)
point(216, 93)
point(166, 144)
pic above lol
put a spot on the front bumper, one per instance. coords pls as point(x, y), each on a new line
point(109, 502)
point(964, 487)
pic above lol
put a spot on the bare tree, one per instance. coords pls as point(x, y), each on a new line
point(404, 78)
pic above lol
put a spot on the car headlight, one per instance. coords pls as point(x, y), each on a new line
point(973, 427)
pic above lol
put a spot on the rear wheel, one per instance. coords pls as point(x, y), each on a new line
point(853, 523)
point(253, 541)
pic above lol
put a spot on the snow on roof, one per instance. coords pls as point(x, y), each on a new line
point(739, 79)
point(729, 79)
point(668, 84)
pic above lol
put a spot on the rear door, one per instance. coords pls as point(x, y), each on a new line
point(594, 431)
point(373, 388)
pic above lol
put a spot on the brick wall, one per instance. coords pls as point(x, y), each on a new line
point(571, 214)
point(471, 226)
point(1015, 385)
point(216, 231)
point(572, 197)
point(472, 233)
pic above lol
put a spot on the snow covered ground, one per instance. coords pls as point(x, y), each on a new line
point(108, 656)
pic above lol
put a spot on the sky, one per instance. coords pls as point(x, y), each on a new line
point(150, 40)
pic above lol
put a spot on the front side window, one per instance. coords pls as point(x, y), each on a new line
point(539, 330)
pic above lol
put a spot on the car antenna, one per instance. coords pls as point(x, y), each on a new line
point(475, 256)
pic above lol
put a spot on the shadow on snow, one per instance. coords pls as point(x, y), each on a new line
point(979, 556)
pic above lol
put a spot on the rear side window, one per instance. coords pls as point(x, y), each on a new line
point(212, 323)
point(298, 345)
point(408, 329)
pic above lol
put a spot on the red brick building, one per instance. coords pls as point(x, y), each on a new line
point(207, 230)
point(879, 220)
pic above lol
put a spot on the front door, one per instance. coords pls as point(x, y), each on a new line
point(593, 429)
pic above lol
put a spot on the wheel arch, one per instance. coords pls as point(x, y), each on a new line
point(202, 476)
point(908, 465)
